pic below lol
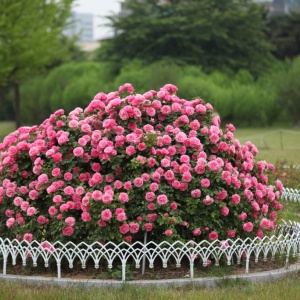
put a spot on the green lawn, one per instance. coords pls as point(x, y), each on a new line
point(5, 128)
point(287, 288)
point(273, 144)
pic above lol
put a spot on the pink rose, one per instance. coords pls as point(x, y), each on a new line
point(248, 227)
point(68, 231)
point(235, 199)
point(196, 232)
point(225, 211)
point(221, 195)
point(10, 222)
point(152, 217)
point(148, 227)
point(173, 205)
point(162, 199)
point(205, 182)
point(265, 224)
point(213, 236)
point(138, 182)
point(128, 239)
point(121, 217)
point(242, 216)
point(168, 232)
point(106, 215)
point(31, 211)
point(85, 217)
point(28, 237)
point(208, 200)
point(196, 193)
point(154, 187)
point(123, 197)
point(134, 227)
point(124, 228)
point(52, 211)
point(231, 233)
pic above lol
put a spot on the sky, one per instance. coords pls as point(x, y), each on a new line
point(99, 8)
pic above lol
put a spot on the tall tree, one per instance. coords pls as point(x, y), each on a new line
point(31, 38)
point(288, 92)
point(284, 33)
point(216, 34)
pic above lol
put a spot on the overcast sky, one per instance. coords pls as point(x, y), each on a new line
point(99, 8)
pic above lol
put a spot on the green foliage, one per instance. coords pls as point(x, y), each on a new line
point(31, 39)
point(284, 34)
point(67, 86)
point(216, 34)
point(288, 92)
point(31, 34)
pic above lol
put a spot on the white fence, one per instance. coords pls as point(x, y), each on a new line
point(291, 195)
point(285, 242)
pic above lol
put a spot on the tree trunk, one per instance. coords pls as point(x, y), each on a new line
point(17, 105)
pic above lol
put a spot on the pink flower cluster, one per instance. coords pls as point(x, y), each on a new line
point(133, 163)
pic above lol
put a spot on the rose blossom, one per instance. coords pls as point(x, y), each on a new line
point(208, 200)
point(121, 216)
point(31, 211)
point(148, 227)
point(123, 197)
point(168, 232)
point(242, 216)
point(10, 222)
point(173, 205)
point(162, 199)
point(265, 224)
point(124, 228)
point(213, 236)
point(152, 217)
point(68, 231)
point(235, 199)
point(138, 182)
point(28, 237)
point(196, 232)
point(106, 215)
point(231, 233)
point(205, 182)
point(225, 211)
point(52, 211)
point(248, 227)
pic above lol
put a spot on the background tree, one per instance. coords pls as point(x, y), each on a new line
point(31, 39)
point(216, 34)
point(288, 96)
point(284, 34)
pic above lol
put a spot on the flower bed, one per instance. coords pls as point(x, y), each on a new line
point(130, 164)
point(100, 182)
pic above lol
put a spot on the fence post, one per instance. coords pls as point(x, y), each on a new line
point(144, 257)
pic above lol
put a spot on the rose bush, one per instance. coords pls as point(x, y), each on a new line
point(131, 163)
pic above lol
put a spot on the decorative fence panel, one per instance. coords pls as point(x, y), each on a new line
point(291, 194)
point(285, 242)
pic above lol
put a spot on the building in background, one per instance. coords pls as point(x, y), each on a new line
point(81, 25)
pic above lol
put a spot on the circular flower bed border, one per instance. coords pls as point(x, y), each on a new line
point(285, 241)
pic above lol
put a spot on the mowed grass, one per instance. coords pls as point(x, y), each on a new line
point(287, 288)
point(273, 144)
point(5, 128)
